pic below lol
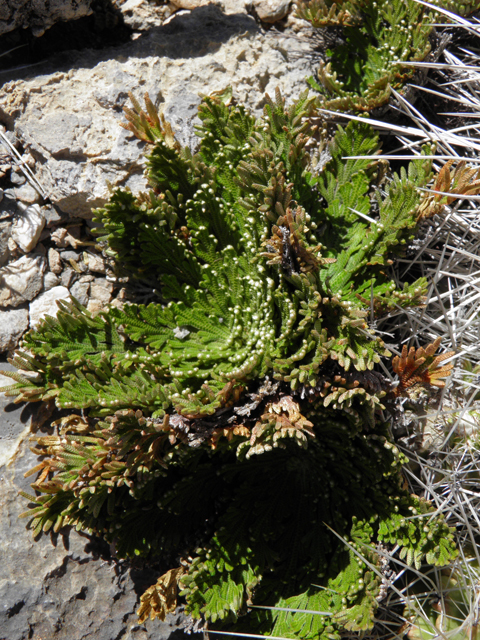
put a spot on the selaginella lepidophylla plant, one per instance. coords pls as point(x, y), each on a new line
point(234, 427)
point(372, 41)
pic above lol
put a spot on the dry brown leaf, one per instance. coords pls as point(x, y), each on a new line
point(418, 369)
point(160, 598)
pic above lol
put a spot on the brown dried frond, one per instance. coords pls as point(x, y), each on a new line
point(160, 598)
point(228, 433)
point(287, 421)
point(463, 181)
point(418, 369)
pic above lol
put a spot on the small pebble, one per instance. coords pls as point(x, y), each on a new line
point(52, 216)
point(28, 226)
point(50, 280)
point(94, 262)
point(79, 290)
point(67, 277)
point(54, 261)
point(27, 194)
point(17, 178)
point(70, 255)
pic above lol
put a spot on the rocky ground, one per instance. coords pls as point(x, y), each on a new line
point(61, 146)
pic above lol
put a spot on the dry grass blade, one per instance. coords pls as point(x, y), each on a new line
point(443, 441)
point(17, 158)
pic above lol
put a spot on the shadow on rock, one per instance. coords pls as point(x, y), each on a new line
point(103, 36)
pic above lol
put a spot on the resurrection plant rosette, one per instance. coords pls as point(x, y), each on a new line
point(234, 427)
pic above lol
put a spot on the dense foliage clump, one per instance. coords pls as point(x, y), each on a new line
point(237, 427)
point(372, 46)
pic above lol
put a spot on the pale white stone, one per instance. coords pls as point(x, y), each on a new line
point(194, 4)
point(27, 194)
point(94, 263)
point(27, 227)
point(46, 304)
point(271, 10)
point(13, 323)
point(21, 280)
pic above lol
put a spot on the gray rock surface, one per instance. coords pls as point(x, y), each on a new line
point(27, 194)
point(27, 227)
point(5, 231)
point(80, 291)
point(14, 427)
point(195, 4)
point(54, 261)
point(21, 280)
point(100, 295)
point(39, 15)
point(50, 280)
point(13, 324)
point(69, 120)
point(8, 204)
point(94, 262)
point(142, 14)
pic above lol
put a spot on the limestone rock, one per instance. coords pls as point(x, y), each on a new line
point(227, 6)
point(100, 295)
point(68, 256)
point(5, 231)
point(39, 15)
point(271, 10)
point(54, 261)
point(27, 227)
point(27, 194)
point(69, 119)
point(67, 277)
point(13, 324)
point(8, 204)
point(50, 280)
point(194, 4)
point(16, 177)
point(15, 428)
point(62, 238)
point(21, 280)
point(46, 304)
point(79, 290)
point(94, 262)
point(142, 14)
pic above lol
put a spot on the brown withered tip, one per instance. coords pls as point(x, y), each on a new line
point(418, 369)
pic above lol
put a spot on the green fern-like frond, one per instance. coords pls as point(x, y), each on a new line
point(239, 419)
point(378, 37)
